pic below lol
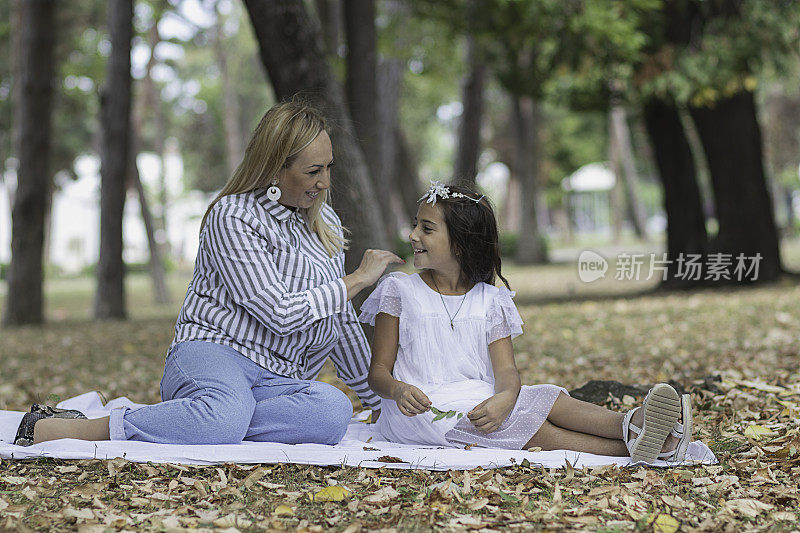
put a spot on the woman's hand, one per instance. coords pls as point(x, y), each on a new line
point(488, 415)
point(410, 400)
point(373, 264)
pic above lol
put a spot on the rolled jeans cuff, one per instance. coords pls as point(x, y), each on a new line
point(116, 424)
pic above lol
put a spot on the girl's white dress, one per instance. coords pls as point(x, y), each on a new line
point(452, 366)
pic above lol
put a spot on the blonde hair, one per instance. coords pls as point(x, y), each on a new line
point(283, 132)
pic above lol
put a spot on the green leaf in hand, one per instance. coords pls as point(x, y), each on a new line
point(444, 414)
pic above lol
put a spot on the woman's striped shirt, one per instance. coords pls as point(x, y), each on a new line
point(264, 285)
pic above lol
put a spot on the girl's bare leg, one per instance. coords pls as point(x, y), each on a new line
point(552, 437)
point(579, 419)
point(65, 428)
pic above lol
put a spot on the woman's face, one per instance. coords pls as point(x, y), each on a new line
point(430, 240)
point(308, 175)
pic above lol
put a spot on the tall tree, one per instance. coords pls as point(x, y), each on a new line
point(469, 129)
point(731, 138)
point(230, 104)
point(330, 15)
point(34, 41)
point(115, 107)
point(361, 81)
point(620, 138)
point(686, 223)
point(528, 158)
point(291, 50)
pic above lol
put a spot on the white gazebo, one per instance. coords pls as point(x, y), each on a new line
point(589, 197)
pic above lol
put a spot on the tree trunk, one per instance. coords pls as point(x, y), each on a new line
point(291, 50)
point(390, 73)
point(115, 106)
point(731, 139)
point(528, 153)
point(330, 17)
point(33, 73)
point(406, 178)
point(369, 117)
point(629, 176)
point(230, 103)
point(160, 291)
point(686, 225)
point(616, 196)
point(469, 129)
point(151, 103)
point(147, 99)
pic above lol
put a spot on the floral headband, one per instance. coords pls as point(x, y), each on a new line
point(438, 191)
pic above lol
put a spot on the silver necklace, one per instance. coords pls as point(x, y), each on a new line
point(446, 310)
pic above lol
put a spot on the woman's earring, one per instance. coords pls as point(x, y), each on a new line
point(274, 193)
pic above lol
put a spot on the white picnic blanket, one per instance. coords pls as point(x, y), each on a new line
point(359, 447)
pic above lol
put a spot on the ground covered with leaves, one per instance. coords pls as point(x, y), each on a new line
point(737, 351)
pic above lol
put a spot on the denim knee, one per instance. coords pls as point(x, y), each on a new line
point(225, 420)
point(334, 414)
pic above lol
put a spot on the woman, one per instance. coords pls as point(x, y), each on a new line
point(267, 305)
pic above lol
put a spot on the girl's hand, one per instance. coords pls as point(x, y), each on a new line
point(410, 400)
point(488, 415)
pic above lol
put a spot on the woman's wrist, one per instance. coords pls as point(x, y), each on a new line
point(354, 283)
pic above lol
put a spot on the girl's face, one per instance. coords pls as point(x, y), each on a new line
point(308, 175)
point(430, 240)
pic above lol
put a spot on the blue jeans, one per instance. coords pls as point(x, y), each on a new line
point(212, 394)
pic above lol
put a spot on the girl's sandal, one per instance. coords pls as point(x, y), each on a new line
point(662, 409)
point(681, 431)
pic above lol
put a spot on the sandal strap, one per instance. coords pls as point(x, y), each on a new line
point(627, 426)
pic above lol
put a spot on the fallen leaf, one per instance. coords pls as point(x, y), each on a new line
point(283, 510)
point(747, 507)
point(389, 459)
point(665, 523)
point(758, 432)
point(382, 495)
point(334, 493)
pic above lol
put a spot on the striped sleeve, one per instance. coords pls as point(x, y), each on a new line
point(249, 274)
point(352, 356)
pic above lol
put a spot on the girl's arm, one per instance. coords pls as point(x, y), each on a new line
point(489, 414)
point(410, 400)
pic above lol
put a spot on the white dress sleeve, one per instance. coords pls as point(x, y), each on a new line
point(385, 298)
point(502, 318)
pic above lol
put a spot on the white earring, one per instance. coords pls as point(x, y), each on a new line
point(274, 193)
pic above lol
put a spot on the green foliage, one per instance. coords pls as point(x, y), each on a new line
point(444, 414)
point(732, 42)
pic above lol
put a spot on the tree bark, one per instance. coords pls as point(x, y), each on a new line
point(731, 139)
point(34, 72)
point(291, 50)
point(230, 103)
point(622, 134)
point(686, 225)
point(530, 244)
point(469, 129)
point(115, 107)
point(616, 197)
point(372, 118)
point(330, 17)
point(390, 74)
point(148, 99)
point(157, 275)
point(406, 177)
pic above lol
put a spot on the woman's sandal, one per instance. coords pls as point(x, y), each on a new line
point(662, 409)
point(682, 431)
point(38, 412)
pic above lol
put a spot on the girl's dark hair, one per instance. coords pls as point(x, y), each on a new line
point(474, 238)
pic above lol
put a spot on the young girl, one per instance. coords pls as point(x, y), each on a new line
point(443, 342)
